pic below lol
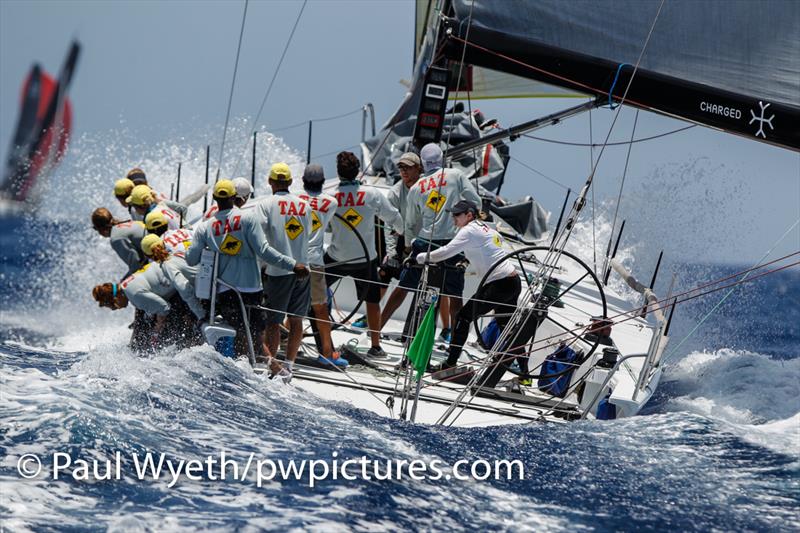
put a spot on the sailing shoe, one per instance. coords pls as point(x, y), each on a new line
point(376, 352)
point(445, 335)
point(361, 323)
point(335, 360)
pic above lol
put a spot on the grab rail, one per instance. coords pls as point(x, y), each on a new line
point(608, 378)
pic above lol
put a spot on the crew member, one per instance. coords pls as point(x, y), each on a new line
point(236, 235)
point(137, 176)
point(358, 206)
point(286, 221)
point(112, 296)
point(175, 240)
point(483, 246)
point(143, 200)
point(243, 193)
point(426, 217)
point(176, 270)
point(154, 293)
point(122, 189)
point(126, 238)
point(323, 208)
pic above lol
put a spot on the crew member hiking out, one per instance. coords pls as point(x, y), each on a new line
point(483, 247)
point(286, 220)
point(122, 189)
point(359, 205)
point(323, 208)
point(126, 238)
point(143, 200)
point(167, 310)
point(175, 240)
point(237, 237)
point(426, 217)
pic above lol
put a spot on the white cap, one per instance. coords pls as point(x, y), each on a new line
point(243, 187)
point(431, 156)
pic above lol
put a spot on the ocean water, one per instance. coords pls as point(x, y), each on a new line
point(718, 446)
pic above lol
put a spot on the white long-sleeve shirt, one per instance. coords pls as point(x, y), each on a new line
point(323, 207)
point(286, 221)
point(359, 205)
point(430, 198)
point(482, 245)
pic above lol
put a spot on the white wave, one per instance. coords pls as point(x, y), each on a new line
point(756, 394)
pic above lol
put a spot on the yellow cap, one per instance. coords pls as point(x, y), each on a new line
point(280, 172)
point(140, 195)
point(155, 219)
point(224, 189)
point(123, 187)
point(149, 242)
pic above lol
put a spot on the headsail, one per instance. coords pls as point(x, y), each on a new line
point(729, 65)
point(43, 130)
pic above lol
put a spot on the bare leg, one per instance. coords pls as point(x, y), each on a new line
point(374, 321)
point(444, 311)
point(395, 300)
point(295, 337)
point(324, 328)
point(273, 338)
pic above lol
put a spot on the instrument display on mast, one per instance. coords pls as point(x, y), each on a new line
point(432, 106)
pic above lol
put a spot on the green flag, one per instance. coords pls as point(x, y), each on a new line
point(419, 353)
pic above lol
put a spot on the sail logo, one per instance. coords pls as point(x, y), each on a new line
point(293, 228)
point(715, 109)
point(761, 120)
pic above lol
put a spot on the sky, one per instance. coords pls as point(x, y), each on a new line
point(161, 70)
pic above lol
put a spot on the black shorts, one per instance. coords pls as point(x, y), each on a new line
point(365, 276)
point(450, 281)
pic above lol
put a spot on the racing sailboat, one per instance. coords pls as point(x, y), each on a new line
point(586, 351)
point(41, 137)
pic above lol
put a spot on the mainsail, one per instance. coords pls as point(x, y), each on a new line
point(732, 65)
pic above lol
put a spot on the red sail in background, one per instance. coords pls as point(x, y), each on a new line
point(43, 130)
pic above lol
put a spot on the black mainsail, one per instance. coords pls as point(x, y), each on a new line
point(728, 64)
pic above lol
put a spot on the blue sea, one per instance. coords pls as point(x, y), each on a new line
point(717, 447)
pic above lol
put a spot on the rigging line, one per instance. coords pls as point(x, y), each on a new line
point(511, 356)
point(336, 151)
point(324, 119)
point(621, 143)
point(591, 163)
point(271, 83)
point(453, 114)
point(545, 176)
point(725, 297)
point(233, 84)
point(621, 186)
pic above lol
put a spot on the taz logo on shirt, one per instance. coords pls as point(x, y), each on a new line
point(348, 199)
point(291, 208)
point(219, 228)
point(315, 203)
point(427, 184)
